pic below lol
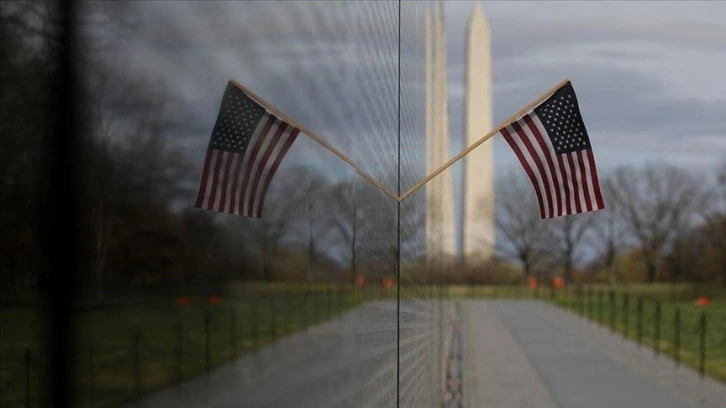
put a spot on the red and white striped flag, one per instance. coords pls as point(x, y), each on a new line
point(247, 146)
point(552, 145)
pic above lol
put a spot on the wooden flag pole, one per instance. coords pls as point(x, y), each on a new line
point(483, 139)
point(316, 138)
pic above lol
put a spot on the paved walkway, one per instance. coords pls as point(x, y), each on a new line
point(515, 354)
point(524, 354)
point(349, 361)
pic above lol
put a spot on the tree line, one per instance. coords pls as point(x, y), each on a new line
point(661, 223)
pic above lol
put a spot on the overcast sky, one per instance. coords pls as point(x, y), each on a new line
point(649, 75)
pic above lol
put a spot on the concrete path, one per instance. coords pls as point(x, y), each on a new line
point(532, 354)
point(497, 372)
point(513, 354)
point(349, 361)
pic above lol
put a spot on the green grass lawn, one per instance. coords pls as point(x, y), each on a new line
point(635, 314)
point(128, 349)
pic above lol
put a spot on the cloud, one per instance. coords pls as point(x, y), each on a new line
point(648, 76)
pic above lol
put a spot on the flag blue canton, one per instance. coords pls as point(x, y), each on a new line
point(238, 117)
point(560, 116)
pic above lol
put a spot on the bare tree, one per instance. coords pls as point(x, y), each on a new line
point(126, 161)
point(28, 42)
point(290, 215)
point(344, 217)
point(713, 213)
point(655, 203)
point(377, 231)
point(608, 233)
point(269, 232)
point(568, 235)
point(413, 231)
point(518, 221)
point(310, 188)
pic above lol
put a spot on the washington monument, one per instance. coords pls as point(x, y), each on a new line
point(478, 219)
point(440, 238)
point(477, 227)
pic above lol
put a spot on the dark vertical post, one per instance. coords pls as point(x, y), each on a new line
point(58, 224)
point(335, 300)
point(207, 357)
point(601, 307)
point(137, 365)
point(552, 291)
point(626, 314)
point(297, 308)
point(305, 308)
point(273, 328)
point(656, 329)
point(91, 374)
point(591, 303)
point(287, 314)
point(233, 328)
point(27, 378)
point(588, 303)
point(567, 296)
point(315, 305)
point(639, 321)
point(294, 318)
point(253, 321)
point(613, 310)
point(577, 300)
point(702, 346)
point(338, 300)
point(349, 297)
point(178, 351)
point(677, 335)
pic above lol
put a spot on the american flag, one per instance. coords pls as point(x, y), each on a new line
point(552, 145)
point(247, 146)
